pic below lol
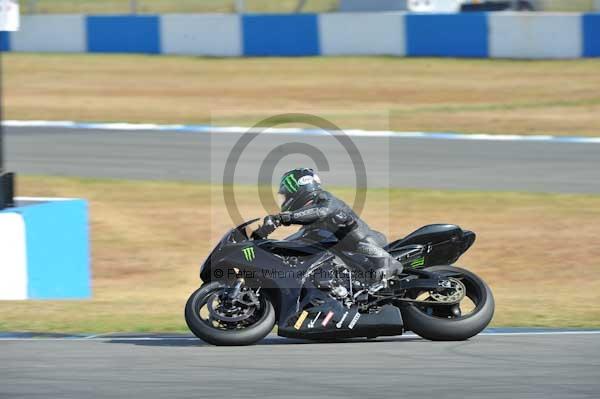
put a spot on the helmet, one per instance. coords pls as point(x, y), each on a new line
point(297, 188)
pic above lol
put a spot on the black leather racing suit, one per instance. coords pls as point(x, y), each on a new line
point(327, 212)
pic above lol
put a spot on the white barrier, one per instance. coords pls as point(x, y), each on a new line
point(201, 34)
point(530, 35)
point(362, 33)
point(13, 264)
point(51, 33)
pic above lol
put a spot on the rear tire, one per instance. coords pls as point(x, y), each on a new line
point(452, 329)
point(215, 336)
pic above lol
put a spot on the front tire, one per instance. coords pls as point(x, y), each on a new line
point(206, 331)
point(433, 327)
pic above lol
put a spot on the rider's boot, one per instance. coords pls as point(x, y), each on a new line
point(380, 264)
point(382, 268)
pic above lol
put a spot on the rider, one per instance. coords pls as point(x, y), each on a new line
point(304, 202)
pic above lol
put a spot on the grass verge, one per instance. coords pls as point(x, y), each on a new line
point(539, 252)
point(170, 6)
point(269, 6)
point(405, 94)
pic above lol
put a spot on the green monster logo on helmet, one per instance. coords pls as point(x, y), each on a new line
point(290, 183)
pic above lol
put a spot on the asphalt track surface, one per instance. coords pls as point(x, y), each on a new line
point(487, 366)
point(543, 166)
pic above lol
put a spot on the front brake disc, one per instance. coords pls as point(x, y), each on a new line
point(219, 313)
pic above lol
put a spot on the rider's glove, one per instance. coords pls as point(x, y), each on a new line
point(270, 223)
point(273, 221)
point(285, 218)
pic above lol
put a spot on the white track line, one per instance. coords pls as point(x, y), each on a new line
point(124, 126)
point(103, 337)
point(506, 334)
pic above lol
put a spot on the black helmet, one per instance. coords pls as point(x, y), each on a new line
point(298, 187)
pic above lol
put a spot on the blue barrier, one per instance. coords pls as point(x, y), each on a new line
point(591, 35)
point(286, 35)
point(49, 254)
point(123, 34)
point(4, 41)
point(495, 35)
point(447, 35)
point(57, 234)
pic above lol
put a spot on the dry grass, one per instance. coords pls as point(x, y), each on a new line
point(539, 252)
point(492, 96)
point(178, 6)
point(171, 6)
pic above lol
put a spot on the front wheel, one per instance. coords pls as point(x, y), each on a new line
point(224, 315)
point(452, 322)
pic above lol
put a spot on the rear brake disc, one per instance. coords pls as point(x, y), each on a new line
point(454, 294)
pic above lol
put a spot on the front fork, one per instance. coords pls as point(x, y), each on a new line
point(247, 297)
point(237, 288)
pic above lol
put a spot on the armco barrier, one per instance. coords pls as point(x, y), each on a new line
point(123, 34)
point(447, 35)
point(535, 36)
point(201, 34)
point(591, 35)
point(44, 250)
point(286, 35)
point(54, 33)
point(362, 33)
point(496, 35)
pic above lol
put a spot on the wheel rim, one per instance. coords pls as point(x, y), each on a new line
point(471, 302)
point(215, 311)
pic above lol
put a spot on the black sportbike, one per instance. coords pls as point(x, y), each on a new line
point(314, 289)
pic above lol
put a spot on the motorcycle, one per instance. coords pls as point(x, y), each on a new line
point(313, 288)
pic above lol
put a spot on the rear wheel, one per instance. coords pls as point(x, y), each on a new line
point(454, 322)
point(224, 315)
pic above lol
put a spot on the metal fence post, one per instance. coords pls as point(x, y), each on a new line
point(133, 6)
point(32, 6)
point(300, 5)
point(240, 6)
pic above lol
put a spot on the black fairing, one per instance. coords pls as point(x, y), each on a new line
point(428, 234)
point(441, 243)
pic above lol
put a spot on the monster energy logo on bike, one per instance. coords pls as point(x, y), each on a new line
point(417, 263)
point(248, 253)
point(290, 183)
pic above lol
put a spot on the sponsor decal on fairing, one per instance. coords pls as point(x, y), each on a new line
point(341, 322)
point(301, 319)
point(354, 320)
point(327, 319)
point(312, 323)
